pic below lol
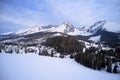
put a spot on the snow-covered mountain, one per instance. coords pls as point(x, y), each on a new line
point(97, 26)
point(106, 30)
point(29, 30)
point(105, 25)
point(112, 27)
point(66, 28)
point(67, 41)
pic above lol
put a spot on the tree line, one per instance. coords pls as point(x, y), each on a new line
point(98, 60)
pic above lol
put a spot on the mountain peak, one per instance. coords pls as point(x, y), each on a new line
point(68, 27)
point(97, 25)
point(106, 25)
point(68, 24)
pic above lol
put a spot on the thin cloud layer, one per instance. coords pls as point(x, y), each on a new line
point(24, 13)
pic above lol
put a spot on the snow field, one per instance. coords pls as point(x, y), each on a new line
point(34, 67)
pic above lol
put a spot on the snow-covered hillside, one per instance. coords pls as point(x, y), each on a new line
point(105, 25)
point(29, 30)
point(95, 38)
point(6, 33)
point(107, 30)
point(67, 28)
point(34, 67)
point(112, 27)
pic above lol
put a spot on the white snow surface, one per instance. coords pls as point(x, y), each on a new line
point(112, 27)
point(66, 26)
point(97, 26)
point(95, 38)
point(60, 28)
point(29, 30)
point(6, 33)
point(34, 67)
point(108, 26)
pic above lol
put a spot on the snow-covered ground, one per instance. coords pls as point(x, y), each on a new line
point(34, 67)
point(95, 38)
point(112, 27)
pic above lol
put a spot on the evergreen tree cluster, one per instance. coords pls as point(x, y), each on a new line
point(97, 60)
point(27, 49)
point(65, 44)
point(117, 51)
point(94, 61)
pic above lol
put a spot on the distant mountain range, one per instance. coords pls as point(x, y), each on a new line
point(95, 46)
point(103, 31)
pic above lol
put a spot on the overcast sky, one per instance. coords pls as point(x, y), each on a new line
point(17, 14)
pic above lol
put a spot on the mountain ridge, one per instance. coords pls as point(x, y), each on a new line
point(67, 28)
point(89, 33)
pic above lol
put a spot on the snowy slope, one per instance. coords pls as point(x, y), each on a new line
point(66, 27)
point(96, 26)
point(95, 38)
point(34, 67)
point(6, 33)
point(105, 25)
point(29, 30)
point(112, 27)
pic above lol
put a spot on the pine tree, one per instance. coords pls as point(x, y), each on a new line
point(109, 65)
point(61, 56)
point(115, 69)
point(45, 52)
point(39, 52)
point(0, 50)
point(52, 53)
point(71, 56)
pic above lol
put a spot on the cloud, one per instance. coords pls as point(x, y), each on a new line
point(44, 12)
point(23, 16)
point(37, 12)
point(87, 11)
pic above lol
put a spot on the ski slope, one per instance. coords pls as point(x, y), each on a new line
point(34, 67)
